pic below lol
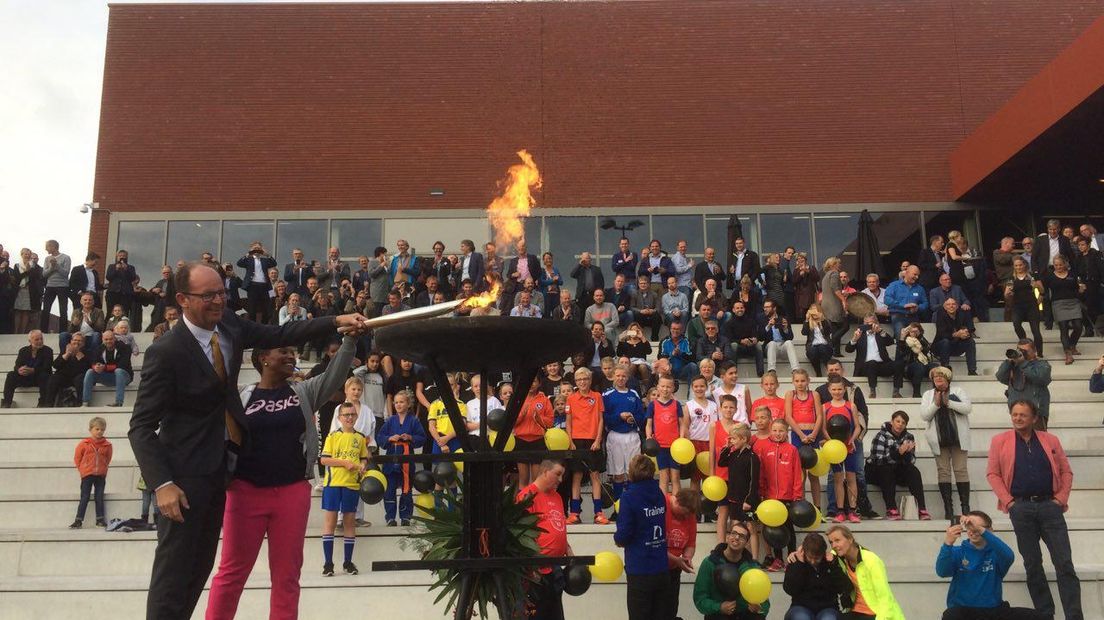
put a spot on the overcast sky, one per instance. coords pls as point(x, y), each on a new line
point(53, 53)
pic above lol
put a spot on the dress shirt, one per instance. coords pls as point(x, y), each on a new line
point(259, 274)
point(872, 354)
point(203, 336)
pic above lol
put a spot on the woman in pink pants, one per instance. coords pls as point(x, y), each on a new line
point(270, 491)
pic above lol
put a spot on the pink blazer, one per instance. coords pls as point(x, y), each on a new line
point(1002, 459)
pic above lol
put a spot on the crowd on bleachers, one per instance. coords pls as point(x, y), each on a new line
point(631, 392)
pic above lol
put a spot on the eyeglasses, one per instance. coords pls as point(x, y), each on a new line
point(208, 297)
point(347, 415)
point(738, 534)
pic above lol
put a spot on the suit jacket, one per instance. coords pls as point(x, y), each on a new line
point(96, 319)
point(884, 339)
point(930, 267)
point(535, 268)
point(443, 271)
point(475, 271)
point(749, 267)
point(583, 295)
point(41, 362)
point(327, 279)
point(78, 280)
point(945, 325)
point(120, 280)
point(703, 272)
point(120, 356)
point(624, 298)
point(247, 262)
point(296, 277)
point(1041, 260)
point(181, 395)
point(937, 296)
point(576, 313)
point(666, 267)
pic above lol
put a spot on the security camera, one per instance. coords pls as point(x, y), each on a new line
point(84, 208)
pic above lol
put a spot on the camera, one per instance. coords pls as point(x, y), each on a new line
point(1012, 354)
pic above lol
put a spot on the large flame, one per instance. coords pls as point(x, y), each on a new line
point(508, 210)
point(486, 298)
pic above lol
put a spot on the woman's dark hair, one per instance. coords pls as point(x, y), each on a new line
point(814, 544)
point(378, 251)
point(900, 414)
point(255, 358)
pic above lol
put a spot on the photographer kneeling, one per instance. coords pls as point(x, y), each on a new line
point(1027, 377)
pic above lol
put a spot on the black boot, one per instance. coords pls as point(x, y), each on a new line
point(964, 496)
point(948, 500)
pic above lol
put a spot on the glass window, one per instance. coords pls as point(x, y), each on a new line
point(145, 246)
point(779, 230)
point(236, 237)
point(532, 236)
point(354, 238)
point(670, 229)
point(836, 235)
point(307, 235)
point(899, 240)
point(567, 238)
point(716, 234)
point(189, 239)
point(609, 239)
point(943, 222)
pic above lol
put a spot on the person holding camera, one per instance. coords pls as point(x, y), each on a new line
point(256, 264)
point(1027, 377)
point(870, 343)
point(121, 278)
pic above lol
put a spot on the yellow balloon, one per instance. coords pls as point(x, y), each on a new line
point(682, 450)
point(822, 466)
point(772, 512)
point(755, 586)
point(607, 566)
point(702, 460)
point(424, 502)
point(816, 523)
point(459, 464)
point(556, 439)
point(714, 488)
point(378, 475)
point(493, 435)
point(834, 451)
point(616, 506)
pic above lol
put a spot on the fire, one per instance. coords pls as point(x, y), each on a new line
point(486, 298)
point(508, 210)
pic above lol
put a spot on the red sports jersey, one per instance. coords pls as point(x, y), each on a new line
point(777, 406)
point(549, 508)
point(681, 533)
point(665, 421)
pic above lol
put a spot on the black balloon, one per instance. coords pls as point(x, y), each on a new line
point(576, 579)
point(839, 428)
point(607, 498)
point(444, 473)
point(423, 481)
point(687, 470)
point(496, 419)
point(803, 514)
point(708, 506)
point(371, 490)
point(727, 579)
point(650, 447)
point(776, 536)
point(808, 456)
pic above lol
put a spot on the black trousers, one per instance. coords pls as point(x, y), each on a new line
point(675, 585)
point(1029, 313)
point(59, 382)
point(1004, 612)
point(546, 597)
point(873, 370)
point(818, 355)
point(646, 596)
point(61, 294)
point(88, 484)
point(186, 551)
point(887, 477)
point(753, 351)
point(122, 299)
point(14, 380)
point(258, 303)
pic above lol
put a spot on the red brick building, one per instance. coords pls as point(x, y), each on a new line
point(355, 124)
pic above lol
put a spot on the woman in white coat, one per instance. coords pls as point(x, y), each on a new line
point(946, 409)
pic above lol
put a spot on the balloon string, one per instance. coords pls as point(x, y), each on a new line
point(484, 542)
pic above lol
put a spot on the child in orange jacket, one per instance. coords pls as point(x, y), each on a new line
point(92, 456)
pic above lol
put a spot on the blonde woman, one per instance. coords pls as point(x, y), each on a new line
point(774, 278)
point(818, 336)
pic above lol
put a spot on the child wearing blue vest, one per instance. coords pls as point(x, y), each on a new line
point(400, 434)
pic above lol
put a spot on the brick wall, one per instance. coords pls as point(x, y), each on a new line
point(292, 107)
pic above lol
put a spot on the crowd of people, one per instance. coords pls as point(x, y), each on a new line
point(622, 398)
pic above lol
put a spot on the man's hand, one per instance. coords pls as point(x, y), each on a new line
point(394, 438)
point(171, 500)
point(351, 324)
point(25, 371)
point(953, 532)
point(683, 564)
point(728, 608)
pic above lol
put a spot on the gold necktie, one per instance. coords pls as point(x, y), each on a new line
point(232, 428)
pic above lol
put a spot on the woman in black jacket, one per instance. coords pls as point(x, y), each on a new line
point(30, 285)
point(818, 337)
point(815, 582)
point(914, 359)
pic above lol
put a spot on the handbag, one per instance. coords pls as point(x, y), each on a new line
point(946, 428)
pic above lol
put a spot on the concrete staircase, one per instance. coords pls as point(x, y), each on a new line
point(48, 571)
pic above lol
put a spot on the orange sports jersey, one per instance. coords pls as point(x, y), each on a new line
point(584, 412)
point(535, 417)
point(777, 406)
point(665, 421)
point(549, 508)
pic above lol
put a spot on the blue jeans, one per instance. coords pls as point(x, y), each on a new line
point(119, 378)
point(88, 483)
point(1033, 521)
point(950, 347)
point(683, 371)
point(901, 321)
point(798, 612)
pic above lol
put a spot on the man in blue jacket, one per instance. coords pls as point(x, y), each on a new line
point(642, 531)
point(906, 299)
point(976, 568)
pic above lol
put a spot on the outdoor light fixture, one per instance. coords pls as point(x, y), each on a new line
point(608, 224)
point(90, 206)
point(436, 192)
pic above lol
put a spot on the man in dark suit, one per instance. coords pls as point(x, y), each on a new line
point(85, 278)
point(709, 269)
point(744, 262)
point(296, 273)
point(469, 267)
point(187, 413)
point(872, 359)
point(655, 264)
point(1047, 246)
point(121, 278)
point(588, 279)
point(32, 369)
point(930, 262)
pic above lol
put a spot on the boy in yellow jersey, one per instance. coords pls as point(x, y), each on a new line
point(345, 456)
point(441, 431)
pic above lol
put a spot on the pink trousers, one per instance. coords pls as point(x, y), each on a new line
point(251, 513)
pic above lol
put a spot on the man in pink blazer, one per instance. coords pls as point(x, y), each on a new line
point(1029, 472)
